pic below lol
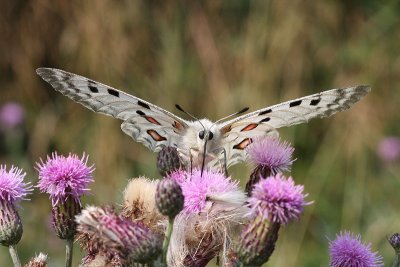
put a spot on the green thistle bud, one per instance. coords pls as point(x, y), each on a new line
point(169, 197)
point(168, 160)
point(10, 224)
point(63, 215)
point(257, 241)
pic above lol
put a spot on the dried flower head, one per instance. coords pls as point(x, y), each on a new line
point(38, 261)
point(214, 208)
point(278, 199)
point(139, 203)
point(12, 190)
point(348, 250)
point(64, 177)
point(103, 231)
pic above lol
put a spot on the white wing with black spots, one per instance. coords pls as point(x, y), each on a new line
point(143, 121)
point(238, 133)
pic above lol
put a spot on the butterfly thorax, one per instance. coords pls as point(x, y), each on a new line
point(199, 141)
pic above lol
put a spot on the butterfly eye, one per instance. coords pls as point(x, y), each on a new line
point(201, 135)
point(210, 135)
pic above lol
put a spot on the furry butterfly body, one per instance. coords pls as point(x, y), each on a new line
point(197, 140)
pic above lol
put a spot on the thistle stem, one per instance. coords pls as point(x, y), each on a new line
point(14, 256)
point(167, 238)
point(396, 262)
point(69, 248)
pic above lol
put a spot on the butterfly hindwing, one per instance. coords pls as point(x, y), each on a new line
point(238, 133)
point(143, 121)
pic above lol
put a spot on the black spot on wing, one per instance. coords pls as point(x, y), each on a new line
point(295, 103)
point(113, 92)
point(315, 102)
point(265, 112)
point(93, 89)
point(142, 104)
point(141, 113)
point(265, 120)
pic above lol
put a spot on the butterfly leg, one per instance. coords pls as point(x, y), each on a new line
point(222, 149)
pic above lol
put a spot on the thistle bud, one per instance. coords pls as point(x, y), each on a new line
point(169, 197)
point(168, 160)
point(257, 241)
point(10, 224)
point(63, 217)
point(394, 241)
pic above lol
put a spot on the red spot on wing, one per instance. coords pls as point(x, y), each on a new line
point(226, 129)
point(249, 127)
point(156, 136)
point(242, 145)
point(152, 120)
point(177, 125)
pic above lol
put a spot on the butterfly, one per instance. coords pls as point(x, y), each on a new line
point(199, 142)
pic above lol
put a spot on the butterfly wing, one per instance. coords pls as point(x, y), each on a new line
point(238, 133)
point(143, 121)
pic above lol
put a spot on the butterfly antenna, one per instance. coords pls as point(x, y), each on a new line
point(232, 115)
point(190, 115)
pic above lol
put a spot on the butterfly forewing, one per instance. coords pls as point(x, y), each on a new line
point(239, 131)
point(143, 121)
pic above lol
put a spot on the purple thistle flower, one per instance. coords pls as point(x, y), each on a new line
point(62, 177)
point(12, 186)
point(271, 152)
point(348, 250)
point(11, 115)
point(389, 149)
point(198, 188)
point(179, 176)
point(12, 189)
point(277, 198)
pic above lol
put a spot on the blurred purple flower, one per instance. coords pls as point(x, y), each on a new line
point(389, 149)
point(348, 250)
point(271, 152)
point(278, 199)
point(11, 115)
point(12, 186)
point(198, 187)
point(62, 177)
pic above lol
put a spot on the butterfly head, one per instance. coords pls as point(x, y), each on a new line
point(207, 134)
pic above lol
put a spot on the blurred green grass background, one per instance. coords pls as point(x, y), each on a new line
point(213, 58)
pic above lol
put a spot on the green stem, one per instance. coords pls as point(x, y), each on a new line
point(14, 256)
point(69, 248)
point(396, 262)
point(167, 238)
